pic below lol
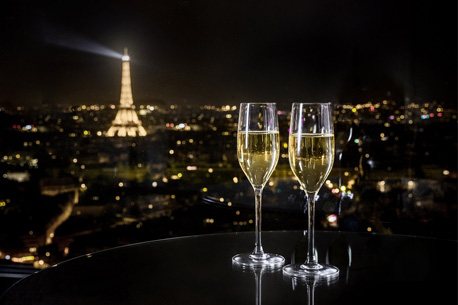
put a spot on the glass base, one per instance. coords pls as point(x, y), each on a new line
point(265, 260)
point(314, 271)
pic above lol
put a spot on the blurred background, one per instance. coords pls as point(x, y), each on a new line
point(67, 188)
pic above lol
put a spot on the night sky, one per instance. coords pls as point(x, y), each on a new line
point(228, 51)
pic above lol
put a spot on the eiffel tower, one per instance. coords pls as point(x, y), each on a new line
point(126, 122)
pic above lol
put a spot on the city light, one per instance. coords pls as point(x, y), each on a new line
point(24, 259)
point(332, 218)
point(189, 156)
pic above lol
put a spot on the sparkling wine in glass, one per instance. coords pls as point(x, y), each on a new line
point(311, 156)
point(258, 149)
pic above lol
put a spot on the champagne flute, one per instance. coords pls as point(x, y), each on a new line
point(311, 156)
point(258, 149)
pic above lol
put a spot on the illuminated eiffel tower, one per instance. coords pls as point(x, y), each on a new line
point(126, 122)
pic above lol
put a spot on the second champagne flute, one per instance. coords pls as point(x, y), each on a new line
point(258, 149)
point(311, 156)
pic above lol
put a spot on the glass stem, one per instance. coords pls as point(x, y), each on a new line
point(258, 277)
point(310, 293)
point(311, 258)
point(258, 251)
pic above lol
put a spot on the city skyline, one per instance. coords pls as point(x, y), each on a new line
point(83, 185)
point(197, 52)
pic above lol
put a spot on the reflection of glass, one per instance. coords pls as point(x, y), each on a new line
point(343, 135)
point(258, 272)
point(339, 253)
point(311, 156)
point(311, 283)
point(258, 149)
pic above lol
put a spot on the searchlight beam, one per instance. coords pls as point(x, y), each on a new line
point(66, 39)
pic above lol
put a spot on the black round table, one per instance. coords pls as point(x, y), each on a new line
point(374, 269)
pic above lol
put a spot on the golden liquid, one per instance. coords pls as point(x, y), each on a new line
point(258, 154)
point(311, 157)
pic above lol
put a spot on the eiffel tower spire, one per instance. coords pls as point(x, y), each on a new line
point(126, 122)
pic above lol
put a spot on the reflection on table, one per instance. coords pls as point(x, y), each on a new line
point(374, 269)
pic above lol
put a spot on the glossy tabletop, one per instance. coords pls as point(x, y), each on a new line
point(374, 269)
